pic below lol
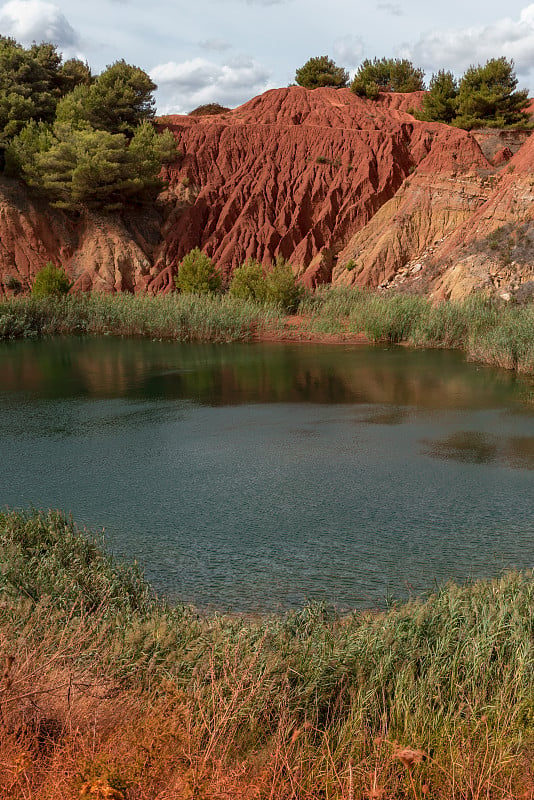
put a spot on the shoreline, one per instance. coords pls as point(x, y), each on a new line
point(295, 332)
point(132, 697)
point(486, 331)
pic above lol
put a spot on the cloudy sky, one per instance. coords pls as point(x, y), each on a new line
point(227, 51)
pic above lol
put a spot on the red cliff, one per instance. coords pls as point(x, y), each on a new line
point(349, 190)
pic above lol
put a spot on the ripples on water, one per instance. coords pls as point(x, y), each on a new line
point(254, 477)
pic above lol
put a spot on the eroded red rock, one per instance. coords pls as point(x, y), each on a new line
point(323, 178)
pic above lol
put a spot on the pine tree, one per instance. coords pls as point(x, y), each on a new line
point(389, 74)
point(321, 71)
point(487, 96)
point(440, 103)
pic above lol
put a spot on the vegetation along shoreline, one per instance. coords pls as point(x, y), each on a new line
point(431, 698)
point(488, 330)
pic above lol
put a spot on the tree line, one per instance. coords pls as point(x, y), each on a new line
point(77, 138)
point(485, 96)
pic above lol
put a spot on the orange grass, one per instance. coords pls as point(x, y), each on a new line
point(129, 699)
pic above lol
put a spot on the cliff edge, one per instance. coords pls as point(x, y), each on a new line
point(349, 190)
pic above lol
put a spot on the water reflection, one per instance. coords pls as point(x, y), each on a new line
point(219, 375)
point(252, 477)
point(519, 452)
point(475, 447)
point(469, 447)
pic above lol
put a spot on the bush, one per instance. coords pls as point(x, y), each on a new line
point(372, 90)
point(439, 104)
point(280, 286)
point(197, 274)
point(208, 110)
point(275, 286)
point(248, 281)
point(321, 71)
point(389, 74)
point(50, 281)
point(487, 96)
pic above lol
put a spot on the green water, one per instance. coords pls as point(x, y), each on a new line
point(255, 477)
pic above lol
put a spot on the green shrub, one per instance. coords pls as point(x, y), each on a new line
point(197, 274)
point(275, 286)
point(321, 71)
point(441, 101)
point(487, 96)
point(372, 90)
point(51, 281)
point(280, 286)
point(248, 281)
point(389, 74)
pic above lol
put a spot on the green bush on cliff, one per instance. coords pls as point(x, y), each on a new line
point(117, 100)
point(80, 140)
point(487, 96)
point(51, 281)
point(389, 74)
point(32, 81)
point(74, 165)
point(197, 274)
point(321, 71)
point(440, 103)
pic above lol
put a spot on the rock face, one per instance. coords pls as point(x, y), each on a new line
point(349, 190)
point(98, 252)
point(290, 173)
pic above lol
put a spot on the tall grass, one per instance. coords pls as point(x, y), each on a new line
point(183, 317)
point(432, 698)
point(488, 330)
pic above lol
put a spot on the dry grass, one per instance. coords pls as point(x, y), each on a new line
point(126, 698)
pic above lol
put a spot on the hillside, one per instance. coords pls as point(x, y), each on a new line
point(324, 178)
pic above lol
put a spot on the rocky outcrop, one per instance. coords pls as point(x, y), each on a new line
point(349, 190)
point(454, 229)
point(290, 173)
point(441, 194)
point(494, 249)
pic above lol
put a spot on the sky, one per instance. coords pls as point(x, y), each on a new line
point(228, 51)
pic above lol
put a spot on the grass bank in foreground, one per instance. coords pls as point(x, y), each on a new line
point(488, 330)
point(108, 692)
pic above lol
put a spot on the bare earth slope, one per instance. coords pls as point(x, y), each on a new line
point(297, 172)
point(324, 178)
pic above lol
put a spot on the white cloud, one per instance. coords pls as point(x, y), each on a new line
point(38, 21)
point(186, 85)
point(457, 49)
point(394, 9)
point(348, 50)
point(216, 45)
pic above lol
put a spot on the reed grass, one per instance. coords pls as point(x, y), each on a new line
point(133, 696)
point(183, 317)
point(488, 330)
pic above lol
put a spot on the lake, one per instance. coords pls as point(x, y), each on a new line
point(255, 477)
